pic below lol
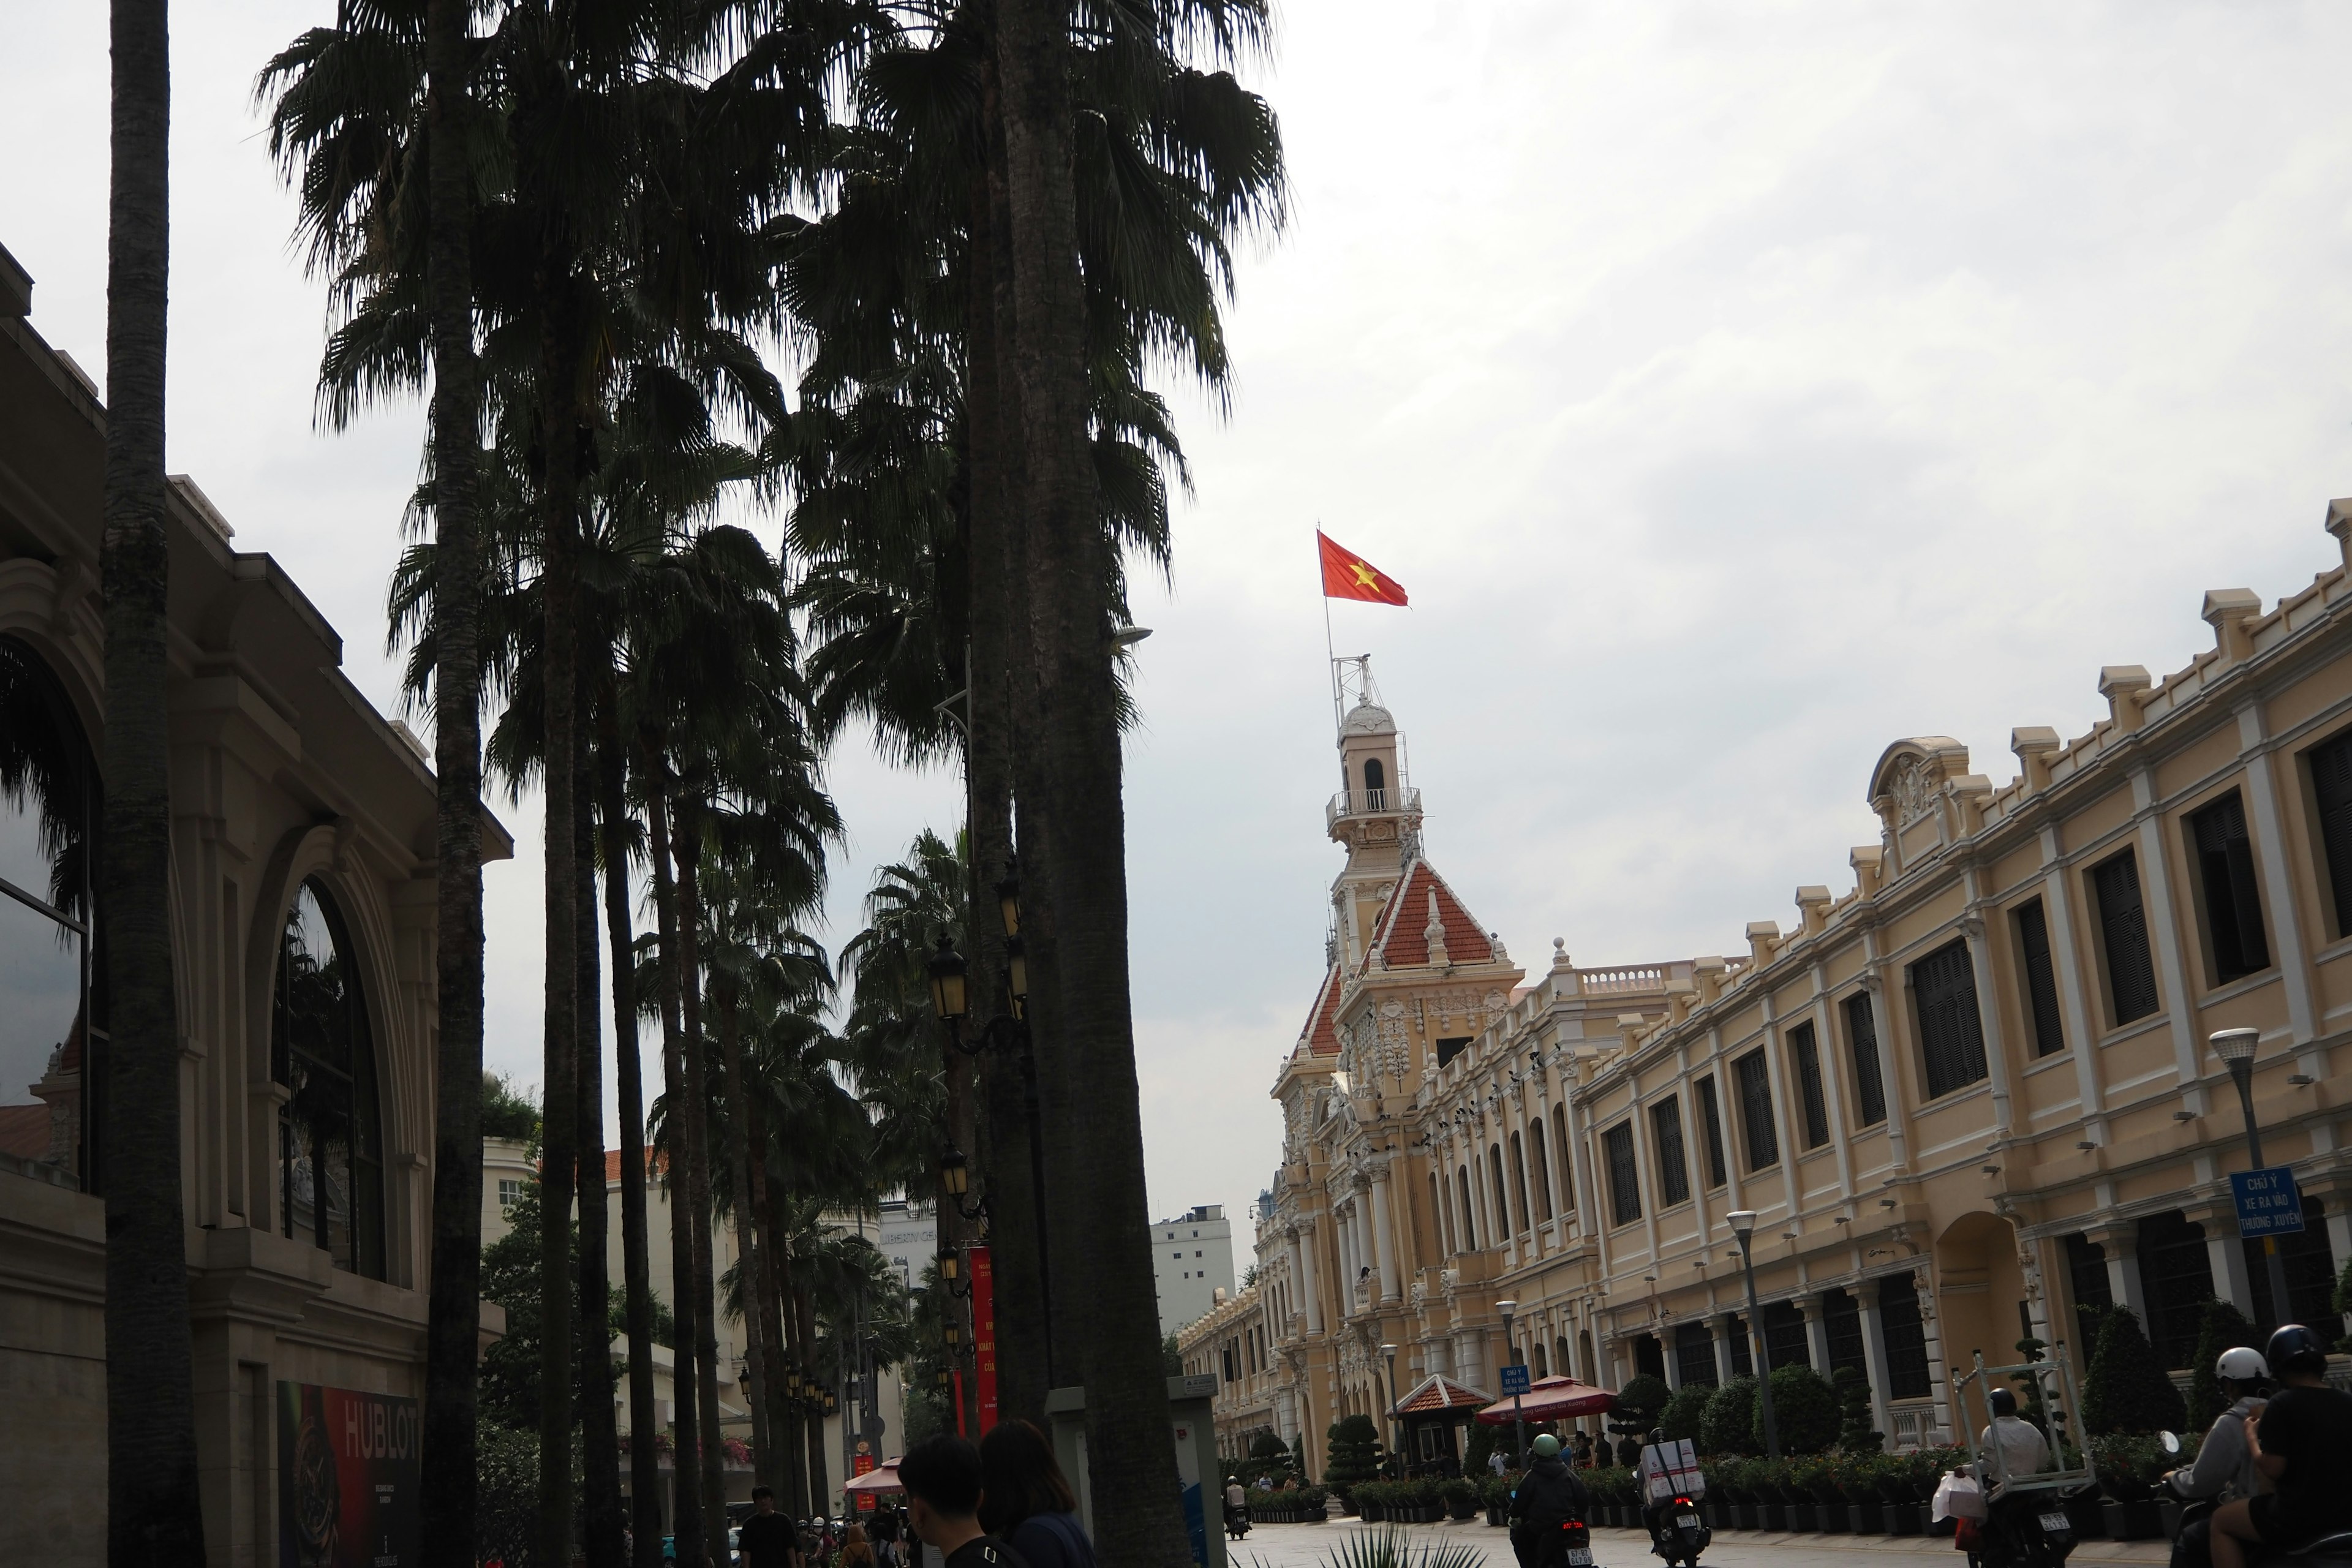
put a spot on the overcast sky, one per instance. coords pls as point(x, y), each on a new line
point(1735, 387)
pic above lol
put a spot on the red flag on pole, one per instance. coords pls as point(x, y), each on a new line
point(983, 1334)
point(1346, 575)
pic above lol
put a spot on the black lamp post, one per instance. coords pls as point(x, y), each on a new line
point(1511, 1355)
point(2236, 1049)
point(1396, 1423)
point(1743, 1226)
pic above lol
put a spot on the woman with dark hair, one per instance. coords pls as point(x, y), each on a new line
point(1024, 1500)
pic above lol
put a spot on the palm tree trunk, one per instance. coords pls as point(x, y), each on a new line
point(447, 1488)
point(1069, 564)
point(685, 850)
point(154, 1512)
point(819, 1477)
point(636, 1263)
point(686, 1445)
point(559, 430)
point(601, 1519)
point(747, 1243)
point(794, 1354)
point(762, 1322)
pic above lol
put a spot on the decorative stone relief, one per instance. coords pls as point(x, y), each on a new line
point(1914, 796)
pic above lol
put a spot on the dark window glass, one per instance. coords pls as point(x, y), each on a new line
point(1754, 1082)
point(1376, 780)
point(2310, 1271)
point(330, 1156)
point(1449, 1049)
point(1841, 1326)
point(1469, 1210)
point(2041, 978)
point(1951, 1035)
point(1520, 1180)
point(1497, 1194)
point(2233, 905)
point(1566, 1161)
point(52, 974)
point(1784, 1335)
point(2331, 791)
point(1543, 1168)
point(1717, 1174)
point(1673, 1169)
point(1905, 1336)
point(1695, 1355)
point(2177, 1273)
point(1812, 1095)
point(1862, 1042)
point(2086, 1269)
point(1743, 1349)
point(1650, 1355)
point(2123, 934)
point(1624, 1179)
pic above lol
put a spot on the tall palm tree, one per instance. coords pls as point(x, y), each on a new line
point(154, 1511)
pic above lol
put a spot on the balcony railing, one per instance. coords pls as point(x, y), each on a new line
point(1372, 802)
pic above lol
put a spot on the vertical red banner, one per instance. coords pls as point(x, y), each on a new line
point(984, 1332)
point(962, 1430)
point(862, 1464)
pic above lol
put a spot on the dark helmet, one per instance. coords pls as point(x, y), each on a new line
point(2295, 1349)
point(2003, 1402)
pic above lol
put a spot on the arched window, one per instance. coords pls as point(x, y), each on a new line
point(52, 971)
point(1496, 1191)
point(330, 1138)
point(1376, 780)
point(1469, 1216)
point(1543, 1167)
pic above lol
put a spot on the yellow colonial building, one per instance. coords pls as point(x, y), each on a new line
point(1965, 1095)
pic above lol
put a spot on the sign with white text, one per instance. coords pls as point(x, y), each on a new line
point(2268, 1202)
point(1514, 1380)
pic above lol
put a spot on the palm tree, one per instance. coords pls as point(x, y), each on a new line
point(153, 1510)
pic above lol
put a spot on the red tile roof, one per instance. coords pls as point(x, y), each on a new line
point(1401, 933)
point(656, 1164)
point(1438, 1393)
point(25, 1130)
point(1319, 1035)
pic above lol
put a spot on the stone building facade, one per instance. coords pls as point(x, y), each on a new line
point(302, 918)
point(1965, 1095)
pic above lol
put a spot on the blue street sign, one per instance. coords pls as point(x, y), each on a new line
point(1515, 1378)
point(2268, 1202)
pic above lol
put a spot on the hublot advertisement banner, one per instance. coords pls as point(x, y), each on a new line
point(347, 1478)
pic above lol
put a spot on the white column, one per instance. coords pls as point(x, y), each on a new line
point(2283, 922)
point(2225, 1255)
point(2121, 1244)
point(1817, 1332)
point(1383, 1246)
point(1874, 1355)
point(1720, 1329)
point(1308, 1282)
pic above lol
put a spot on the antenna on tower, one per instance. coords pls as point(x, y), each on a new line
point(1351, 677)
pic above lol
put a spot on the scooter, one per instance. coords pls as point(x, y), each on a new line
point(1575, 1547)
point(1237, 1522)
point(2328, 1552)
point(1678, 1531)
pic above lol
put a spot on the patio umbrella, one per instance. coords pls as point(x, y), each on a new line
point(881, 1478)
point(1554, 1398)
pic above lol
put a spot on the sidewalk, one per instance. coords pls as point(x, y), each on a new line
point(1307, 1546)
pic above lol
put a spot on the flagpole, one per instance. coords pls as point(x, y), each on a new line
point(1330, 655)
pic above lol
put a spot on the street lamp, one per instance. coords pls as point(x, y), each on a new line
point(2236, 1049)
point(1743, 1226)
point(1395, 1423)
point(947, 969)
point(1511, 1351)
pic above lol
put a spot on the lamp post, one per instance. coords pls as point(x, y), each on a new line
point(1396, 1454)
point(2236, 1049)
point(1743, 1226)
point(1511, 1354)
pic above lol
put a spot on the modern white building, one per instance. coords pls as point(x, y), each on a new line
point(1192, 1264)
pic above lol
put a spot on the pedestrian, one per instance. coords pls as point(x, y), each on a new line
point(1496, 1462)
point(768, 1539)
point(942, 1477)
point(1028, 1501)
point(857, 1552)
point(1582, 1451)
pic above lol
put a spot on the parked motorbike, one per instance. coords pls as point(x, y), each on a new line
point(1678, 1531)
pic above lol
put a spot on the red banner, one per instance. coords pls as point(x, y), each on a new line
point(862, 1464)
point(984, 1332)
point(962, 1430)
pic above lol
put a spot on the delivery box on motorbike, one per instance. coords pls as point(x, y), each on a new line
point(1673, 1471)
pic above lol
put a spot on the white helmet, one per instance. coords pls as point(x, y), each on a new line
point(2241, 1365)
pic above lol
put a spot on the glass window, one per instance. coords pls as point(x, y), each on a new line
point(1813, 1094)
point(1673, 1169)
point(1906, 1337)
point(2041, 978)
point(1543, 1167)
point(329, 1144)
point(1497, 1195)
point(1755, 1110)
point(1624, 1179)
point(2086, 1269)
point(2123, 936)
point(52, 974)
point(1695, 1355)
point(2331, 791)
point(1862, 1041)
point(1784, 1335)
point(1718, 1173)
point(2310, 1270)
point(1559, 1142)
point(2176, 1270)
point(2233, 904)
point(1841, 1326)
point(1952, 1033)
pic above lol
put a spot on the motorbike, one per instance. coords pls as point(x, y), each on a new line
point(2190, 1550)
point(2028, 1530)
point(1574, 1549)
point(1678, 1533)
point(1237, 1521)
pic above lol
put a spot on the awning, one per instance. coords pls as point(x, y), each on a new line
point(1550, 1399)
point(884, 1478)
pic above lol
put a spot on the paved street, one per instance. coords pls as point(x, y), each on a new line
point(1308, 1546)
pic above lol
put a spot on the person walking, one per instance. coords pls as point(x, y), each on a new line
point(1026, 1499)
point(943, 1481)
point(857, 1552)
point(767, 1539)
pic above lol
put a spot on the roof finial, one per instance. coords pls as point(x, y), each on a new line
point(1434, 933)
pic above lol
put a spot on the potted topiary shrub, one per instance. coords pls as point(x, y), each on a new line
point(2129, 1465)
point(1865, 1505)
point(1727, 1426)
point(1461, 1498)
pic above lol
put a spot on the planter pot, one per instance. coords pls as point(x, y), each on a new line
point(1803, 1516)
point(1772, 1516)
point(1836, 1518)
point(1867, 1518)
point(1494, 1517)
point(1905, 1518)
point(1460, 1510)
point(2168, 1515)
point(2132, 1521)
point(2088, 1517)
point(1718, 1514)
point(1743, 1516)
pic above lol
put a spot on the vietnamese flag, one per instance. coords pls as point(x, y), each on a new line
point(1346, 575)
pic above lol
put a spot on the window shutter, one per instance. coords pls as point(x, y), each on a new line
point(2041, 979)
point(1624, 1179)
point(2123, 931)
point(1673, 1169)
point(1718, 1173)
point(1755, 1110)
point(1952, 1033)
point(1811, 1091)
point(2233, 907)
point(1861, 1038)
point(2331, 789)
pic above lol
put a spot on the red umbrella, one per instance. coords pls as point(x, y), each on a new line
point(1552, 1398)
point(884, 1479)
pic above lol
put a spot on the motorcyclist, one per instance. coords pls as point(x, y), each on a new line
point(2224, 1466)
point(1236, 1507)
point(2302, 1444)
point(1548, 1497)
point(2013, 1446)
point(1655, 1511)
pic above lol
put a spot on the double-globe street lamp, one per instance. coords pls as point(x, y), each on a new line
point(1743, 1226)
point(2236, 1049)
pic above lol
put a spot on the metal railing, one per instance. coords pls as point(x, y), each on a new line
point(1370, 803)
